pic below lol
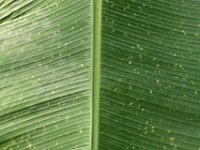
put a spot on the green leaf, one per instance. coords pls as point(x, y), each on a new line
point(99, 75)
point(150, 75)
point(45, 78)
point(11, 9)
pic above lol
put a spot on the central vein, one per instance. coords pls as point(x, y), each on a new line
point(97, 10)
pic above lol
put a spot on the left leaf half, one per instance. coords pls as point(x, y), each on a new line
point(45, 78)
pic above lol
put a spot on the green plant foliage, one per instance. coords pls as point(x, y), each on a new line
point(150, 89)
point(99, 74)
point(45, 79)
point(12, 9)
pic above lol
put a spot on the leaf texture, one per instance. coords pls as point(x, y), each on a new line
point(12, 9)
point(145, 58)
point(45, 78)
point(150, 89)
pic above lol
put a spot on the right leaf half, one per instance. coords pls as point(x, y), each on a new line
point(150, 75)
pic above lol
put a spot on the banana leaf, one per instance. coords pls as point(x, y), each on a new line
point(99, 75)
point(150, 75)
point(45, 77)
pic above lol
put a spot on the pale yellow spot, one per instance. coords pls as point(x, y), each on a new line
point(13, 142)
point(171, 139)
point(130, 104)
point(157, 81)
point(169, 131)
point(29, 145)
point(5, 148)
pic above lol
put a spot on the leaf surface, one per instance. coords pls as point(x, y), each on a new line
point(149, 96)
point(106, 74)
point(45, 78)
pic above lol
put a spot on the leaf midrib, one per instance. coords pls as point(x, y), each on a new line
point(96, 69)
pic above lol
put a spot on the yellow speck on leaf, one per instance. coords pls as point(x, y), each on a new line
point(171, 139)
point(13, 142)
point(157, 81)
point(5, 148)
point(169, 131)
point(29, 145)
